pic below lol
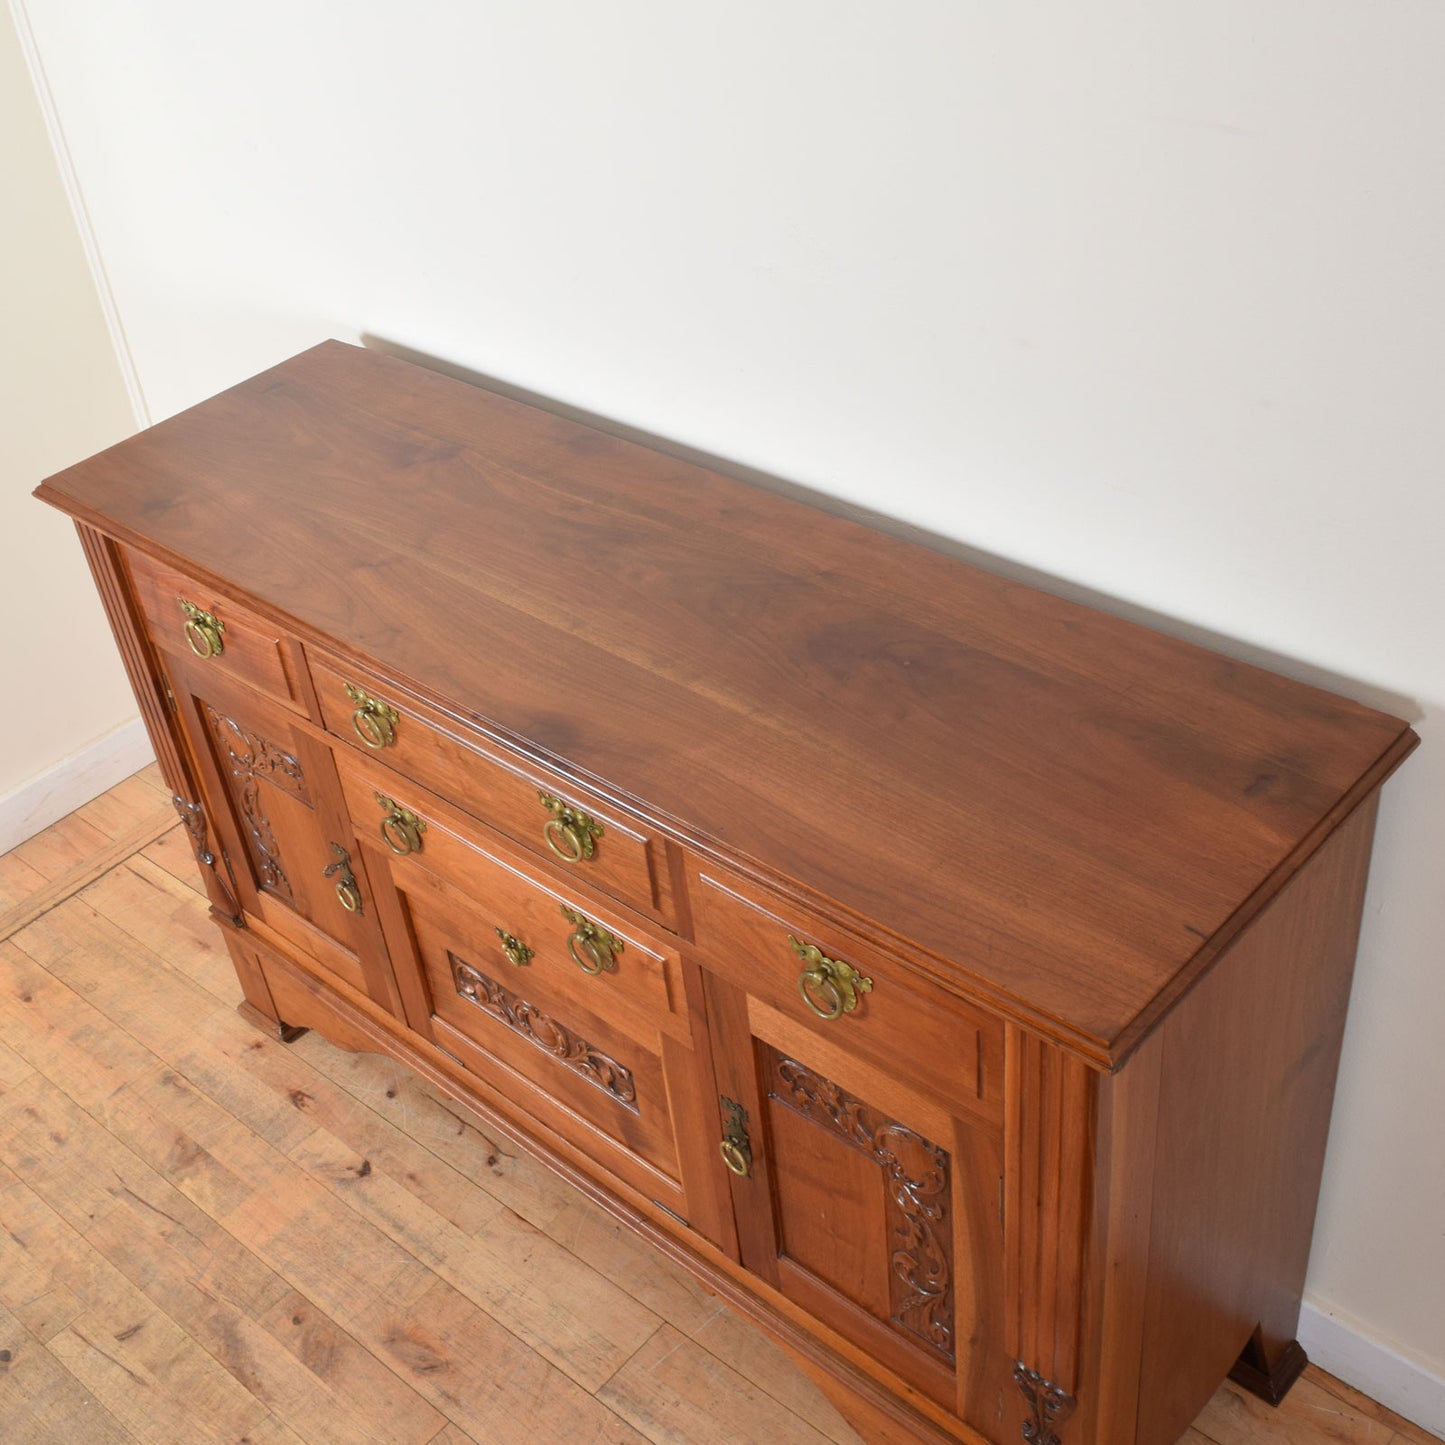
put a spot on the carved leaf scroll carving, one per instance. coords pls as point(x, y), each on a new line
point(545, 1032)
point(917, 1174)
point(253, 758)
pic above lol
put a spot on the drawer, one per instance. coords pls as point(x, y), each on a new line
point(190, 620)
point(765, 944)
point(553, 820)
point(551, 1061)
point(569, 943)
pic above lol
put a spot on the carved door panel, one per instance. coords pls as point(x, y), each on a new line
point(863, 1201)
point(276, 804)
point(569, 1016)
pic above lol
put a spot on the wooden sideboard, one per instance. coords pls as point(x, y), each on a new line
point(951, 975)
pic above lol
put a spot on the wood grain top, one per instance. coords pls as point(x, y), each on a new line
point(1069, 813)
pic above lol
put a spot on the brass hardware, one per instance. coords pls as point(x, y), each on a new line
point(736, 1148)
point(570, 834)
point(374, 722)
point(203, 630)
point(401, 828)
point(346, 889)
point(593, 949)
point(830, 987)
point(518, 954)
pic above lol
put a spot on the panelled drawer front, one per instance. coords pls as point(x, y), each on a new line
point(191, 620)
point(763, 943)
point(590, 842)
point(577, 948)
point(591, 1079)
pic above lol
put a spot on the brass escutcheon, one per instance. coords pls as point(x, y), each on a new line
point(570, 834)
point(518, 954)
point(346, 889)
point(736, 1148)
point(401, 829)
point(203, 630)
point(374, 722)
point(830, 987)
point(593, 949)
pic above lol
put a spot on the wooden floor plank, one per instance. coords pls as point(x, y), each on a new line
point(42, 1402)
point(672, 1389)
point(115, 812)
point(63, 885)
point(1407, 1433)
point(172, 851)
point(169, 918)
point(59, 1034)
point(18, 880)
point(246, 1316)
point(69, 843)
point(521, 1183)
point(148, 1371)
point(740, 1345)
point(546, 1297)
point(1310, 1413)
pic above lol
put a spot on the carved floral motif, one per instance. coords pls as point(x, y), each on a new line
point(918, 1196)
point(545, 1032)
point(253, 758)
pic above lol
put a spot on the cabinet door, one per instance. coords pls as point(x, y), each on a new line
point(573, 1018)
point(863, 1200)
point(276, 805)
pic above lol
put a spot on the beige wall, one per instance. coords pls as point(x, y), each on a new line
point(62, 397)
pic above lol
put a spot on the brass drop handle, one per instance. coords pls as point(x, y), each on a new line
point(736, 1148)
point(517, 952)
point(401, 829)
point(593, 949)
point(346, 889)
point(569, 833)
point(374, 722)
point(830, 987)
point(203, 630)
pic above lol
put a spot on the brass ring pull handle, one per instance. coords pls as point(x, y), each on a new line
point(401, 829)
point(735, 1146)
point(346, 890)
point(518, 954)
point(830, 987)
point(203, 630)
point(593, 949)
point(736, 1158)
point(570, 834)
point(374, 722)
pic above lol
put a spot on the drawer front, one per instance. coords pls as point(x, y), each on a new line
point(570, 944)
point(600, 1088)
point(574, 834)
point(187, 618)
point(765, 944)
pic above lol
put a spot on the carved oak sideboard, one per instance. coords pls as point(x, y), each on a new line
point(952, 976)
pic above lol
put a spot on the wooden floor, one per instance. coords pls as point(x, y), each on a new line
point(206, 1235)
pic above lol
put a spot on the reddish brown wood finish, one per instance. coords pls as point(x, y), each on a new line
point(1060, 808)
point(1058, 1167)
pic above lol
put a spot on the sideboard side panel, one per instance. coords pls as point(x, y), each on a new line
point(1236, 1183)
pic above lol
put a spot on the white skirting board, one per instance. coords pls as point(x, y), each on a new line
point(1340, 1346)
point(73, 782)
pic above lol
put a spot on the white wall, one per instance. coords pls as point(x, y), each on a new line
point(1145, 295)
point(61, 397)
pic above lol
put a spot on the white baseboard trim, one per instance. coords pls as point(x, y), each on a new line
point(73, 782)
point(1341, 1346)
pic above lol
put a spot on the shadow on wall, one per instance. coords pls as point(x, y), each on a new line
point(1402, 707)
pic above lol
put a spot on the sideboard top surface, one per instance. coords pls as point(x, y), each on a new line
point(1065, 810)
